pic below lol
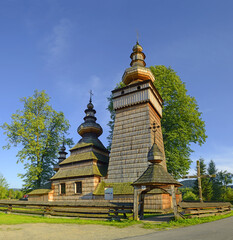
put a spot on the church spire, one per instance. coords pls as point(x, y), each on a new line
point(138, 72)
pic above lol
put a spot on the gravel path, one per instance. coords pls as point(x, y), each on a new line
point(44, 231)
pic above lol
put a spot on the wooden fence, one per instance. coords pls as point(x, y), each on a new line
point(206, 209)
point(85, 209)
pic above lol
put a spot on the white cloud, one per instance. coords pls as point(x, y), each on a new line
point(58, 43)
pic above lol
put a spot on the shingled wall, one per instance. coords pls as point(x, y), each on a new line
point(131, 142)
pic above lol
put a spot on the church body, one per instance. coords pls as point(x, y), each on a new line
point(89, 169)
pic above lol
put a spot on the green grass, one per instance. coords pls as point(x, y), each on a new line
point(10, 219)
point(184, 222)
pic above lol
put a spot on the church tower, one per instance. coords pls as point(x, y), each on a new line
point(138, 105)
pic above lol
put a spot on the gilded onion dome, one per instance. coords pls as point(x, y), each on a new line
point(90, 126)
point(137, 72)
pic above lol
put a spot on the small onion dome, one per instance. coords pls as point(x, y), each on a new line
point(90, 125)
point(155, 155)
point(137, 56)
point(62, 153)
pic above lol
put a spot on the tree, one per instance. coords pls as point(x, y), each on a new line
point(225, 178)
point(181, 122)
point(39, 130)
point(216, 185)
point(3, 187)
point(3, 182)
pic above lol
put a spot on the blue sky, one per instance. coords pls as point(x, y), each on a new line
point(69, 47)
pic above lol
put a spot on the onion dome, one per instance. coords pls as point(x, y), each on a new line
point(90, 126)
point(62, 156)
point(137, 56)
point(62, 153)
point(137, 72)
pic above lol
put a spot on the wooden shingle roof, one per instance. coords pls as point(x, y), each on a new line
point(156, 175)
point(91, 170)
point(85, 156)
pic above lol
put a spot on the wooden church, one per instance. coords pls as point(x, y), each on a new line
point(89, 169)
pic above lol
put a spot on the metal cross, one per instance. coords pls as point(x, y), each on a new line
point(199, 176)
point(154, 128)
point(91, 94)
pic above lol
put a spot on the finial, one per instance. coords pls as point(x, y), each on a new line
point(63, 141)
point(91, 94)
point(137, 37)
point(154, 128)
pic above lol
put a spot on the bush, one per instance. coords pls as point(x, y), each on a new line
point(190, 196)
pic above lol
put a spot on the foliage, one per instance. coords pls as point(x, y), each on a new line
point(3, 182)
point(224, 178)
point(216, 185)
point(181, 122)
point(39, 130)
point(190, 196)
point(228, 195)
point(3, 187)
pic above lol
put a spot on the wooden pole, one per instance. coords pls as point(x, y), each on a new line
point(199, 180)
point(135, 204)
point(175, 208)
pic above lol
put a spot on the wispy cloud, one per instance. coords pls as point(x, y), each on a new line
point(58, 42)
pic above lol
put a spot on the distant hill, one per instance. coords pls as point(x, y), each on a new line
point(187, 183)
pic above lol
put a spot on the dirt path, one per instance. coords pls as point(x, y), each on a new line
point(44, 231)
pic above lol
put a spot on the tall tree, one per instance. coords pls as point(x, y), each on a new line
point(216, 184)
point(39, 130)
point(225, 178)
point(181, 122)
point(3, 187)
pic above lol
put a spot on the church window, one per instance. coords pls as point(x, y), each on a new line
point(62, 188)
point(78, 187)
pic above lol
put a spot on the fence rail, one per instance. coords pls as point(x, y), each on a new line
point(206, 209)
point(85, 209)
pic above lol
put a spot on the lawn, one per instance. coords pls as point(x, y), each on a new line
point(11, 219)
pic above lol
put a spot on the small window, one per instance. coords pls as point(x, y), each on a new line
point(62, 188)
point(78, 187)
point(139, 87)
point(122, 92)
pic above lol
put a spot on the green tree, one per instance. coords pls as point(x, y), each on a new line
point(3, 182)
point(225, 178)
point(181, 122)
point(190, 196)
point(3, 187)
point(216, 185)
point(39, 130)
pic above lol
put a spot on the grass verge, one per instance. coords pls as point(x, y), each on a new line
point(11, 219)
point(184, 222)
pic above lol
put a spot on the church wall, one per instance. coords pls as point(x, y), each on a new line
point(152, 201)
point(38, 198)
point(88, 186)
point(131, 142)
